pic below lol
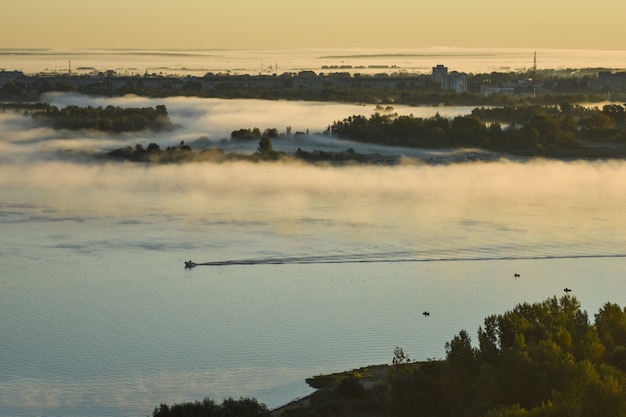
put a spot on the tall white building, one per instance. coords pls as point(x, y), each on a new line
point(440, 73)
point(455, 81)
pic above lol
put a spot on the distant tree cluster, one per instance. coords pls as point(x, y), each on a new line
point(265, 152)
point(555, 122)
point(25, 107)
point(254, 134)
point(106, 119)
point(183, 153)
point(535, 128)
point(153, 153)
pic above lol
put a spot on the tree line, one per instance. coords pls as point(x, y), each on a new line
point(243, 407)
point(540, 359)
point(407, 92)
point(543, 359)
point(550, 130)
point(107, 119)
point(562, 130)
point(531, 128)
point(153, 153)
point(389, 88)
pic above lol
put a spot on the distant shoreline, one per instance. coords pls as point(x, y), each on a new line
point(266, 61)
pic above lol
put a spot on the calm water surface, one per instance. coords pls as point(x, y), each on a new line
point(99, 317)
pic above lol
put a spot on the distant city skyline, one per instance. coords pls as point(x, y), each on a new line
point(279, 24)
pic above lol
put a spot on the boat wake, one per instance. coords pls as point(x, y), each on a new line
point(391, 258)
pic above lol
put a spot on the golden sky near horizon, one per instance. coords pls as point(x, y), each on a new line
point(282, 24)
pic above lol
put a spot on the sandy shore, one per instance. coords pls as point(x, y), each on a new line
point(370, 376)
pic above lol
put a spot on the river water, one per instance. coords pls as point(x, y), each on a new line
point(99, 317)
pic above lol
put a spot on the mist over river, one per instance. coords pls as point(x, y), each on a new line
point(99, 317)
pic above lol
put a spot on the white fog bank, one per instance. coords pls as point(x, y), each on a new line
point(197, 188)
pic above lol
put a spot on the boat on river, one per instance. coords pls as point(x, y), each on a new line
point(190, 264)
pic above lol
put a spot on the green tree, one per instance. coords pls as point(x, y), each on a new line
point(599, 121)
point(271, 132)
point(459, 374)
point(615, 111)
point(415, 390)
point(153, 147)
point(399, 357)
point(265, 146)
point(161, 110)
point(244, 407)
point(610, 322)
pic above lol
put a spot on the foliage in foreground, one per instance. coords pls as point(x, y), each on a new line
point(544, 359)
point(244, 407)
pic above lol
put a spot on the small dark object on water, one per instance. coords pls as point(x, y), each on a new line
point(567, 289)
point(426, 313)
point(516, 275)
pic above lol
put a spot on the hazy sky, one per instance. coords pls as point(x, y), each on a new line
point(282, 24)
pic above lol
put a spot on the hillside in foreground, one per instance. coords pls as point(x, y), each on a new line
point(541, 359)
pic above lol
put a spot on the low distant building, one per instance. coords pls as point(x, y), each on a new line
point(521, 86)
point(488, 90)
point(9, 76)
point(611, 81)
point(457, 81)
point(451, 81)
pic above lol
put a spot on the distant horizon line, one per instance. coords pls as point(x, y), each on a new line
point(347, 48)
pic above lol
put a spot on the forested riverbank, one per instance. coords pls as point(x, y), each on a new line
point(113, 119)
point(539, 359)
